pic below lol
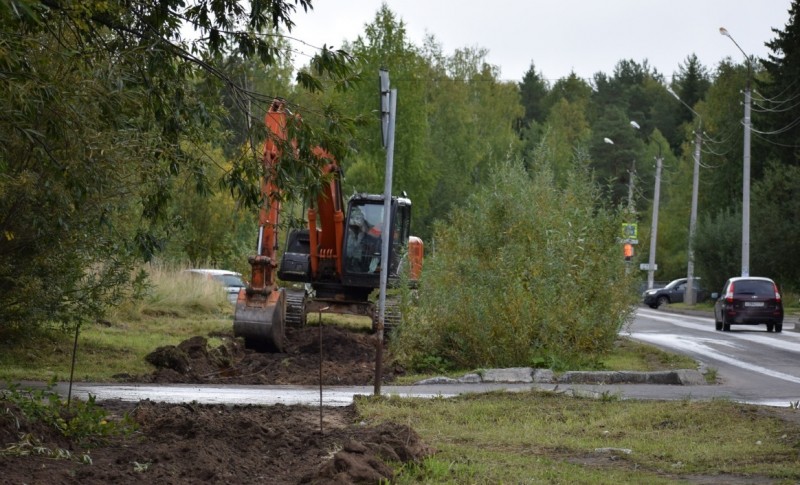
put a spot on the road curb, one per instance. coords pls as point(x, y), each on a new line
point(526, 375)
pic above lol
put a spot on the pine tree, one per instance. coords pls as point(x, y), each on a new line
point(778, 107)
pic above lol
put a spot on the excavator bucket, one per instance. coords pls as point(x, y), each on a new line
point(260, 319)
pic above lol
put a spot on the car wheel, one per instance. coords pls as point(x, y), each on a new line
point(662, 300)
point(770, 327)
point(726, 327)
point(778, 327)
point(653, 306)
point(717, 325)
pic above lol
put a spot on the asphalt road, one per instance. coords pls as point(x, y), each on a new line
point(751, 365)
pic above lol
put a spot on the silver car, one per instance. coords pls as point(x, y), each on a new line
point(231, 280)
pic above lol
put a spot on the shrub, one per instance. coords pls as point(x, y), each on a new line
point(524, 273)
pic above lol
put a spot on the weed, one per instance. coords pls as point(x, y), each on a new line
point(84, 421)
point(608, 396)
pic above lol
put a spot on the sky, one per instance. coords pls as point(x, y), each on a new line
point(562, 36)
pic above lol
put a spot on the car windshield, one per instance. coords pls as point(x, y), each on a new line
point(754, 287)
point(673, 284)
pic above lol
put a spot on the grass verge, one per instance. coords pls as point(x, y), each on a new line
point(541, 437)
point(176, 307)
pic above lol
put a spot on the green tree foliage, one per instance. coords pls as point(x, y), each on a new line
point(777, 109)
point(454, 119)
point(523, 273)
point(717, 246)
point(471, 122)
point(533, 94)
point(674, 204)
point(722, 183)
point(613, 163)
point(775, 236)
point(209, 230)
point(67, 177)
point(385, 45)
point(690, 83)
point(566, 132)
point(101, 101)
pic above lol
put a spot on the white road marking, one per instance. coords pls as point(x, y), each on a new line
point(698, 346)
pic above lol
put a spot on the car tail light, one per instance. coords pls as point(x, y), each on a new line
point(777, 294)
point(729, 294)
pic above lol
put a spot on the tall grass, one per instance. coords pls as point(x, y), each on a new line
point(172, 306)
point(171, 291)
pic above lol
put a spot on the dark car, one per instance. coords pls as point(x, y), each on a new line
point(749, 301)
point(672, 293)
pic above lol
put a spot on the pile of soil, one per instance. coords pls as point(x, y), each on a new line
point(192, 443)
point(345, 357)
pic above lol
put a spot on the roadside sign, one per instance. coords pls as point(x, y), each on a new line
point(646, 267)
point(630, 230)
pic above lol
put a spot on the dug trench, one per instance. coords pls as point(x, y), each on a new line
point(194, 443)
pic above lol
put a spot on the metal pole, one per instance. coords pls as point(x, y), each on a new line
point(654, 222)
point(746, 184)
point(631, 175)
point(690, 294)
point(388, 137)
point(387, 208)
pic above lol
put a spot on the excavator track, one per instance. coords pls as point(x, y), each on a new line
point(295, 307)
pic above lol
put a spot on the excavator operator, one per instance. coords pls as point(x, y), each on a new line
point(363, 244)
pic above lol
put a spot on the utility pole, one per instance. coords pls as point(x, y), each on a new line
point(745, 160)
point(654, 223)
point(690, 296)
point(746, 182)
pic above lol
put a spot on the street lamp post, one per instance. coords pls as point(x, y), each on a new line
point(651, 266)
point(745, 162)
point(631, 174)
point(690, 298)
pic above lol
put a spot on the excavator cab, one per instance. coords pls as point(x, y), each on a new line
point(363, 241)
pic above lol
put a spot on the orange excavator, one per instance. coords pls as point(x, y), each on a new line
point(335, 259)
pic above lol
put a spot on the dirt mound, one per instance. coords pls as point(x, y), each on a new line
point(346, 358)
point(191, 443)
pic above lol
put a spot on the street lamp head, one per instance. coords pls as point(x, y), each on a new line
point(673, 93)
point(635, 124)
point(608, 140)
point(724, 31)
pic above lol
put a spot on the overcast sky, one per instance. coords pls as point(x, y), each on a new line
point(560, 36)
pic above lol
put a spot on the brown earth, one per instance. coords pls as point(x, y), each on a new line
point(347, 358)
point(192, 443)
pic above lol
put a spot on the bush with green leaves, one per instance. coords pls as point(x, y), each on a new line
point(525, 273)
